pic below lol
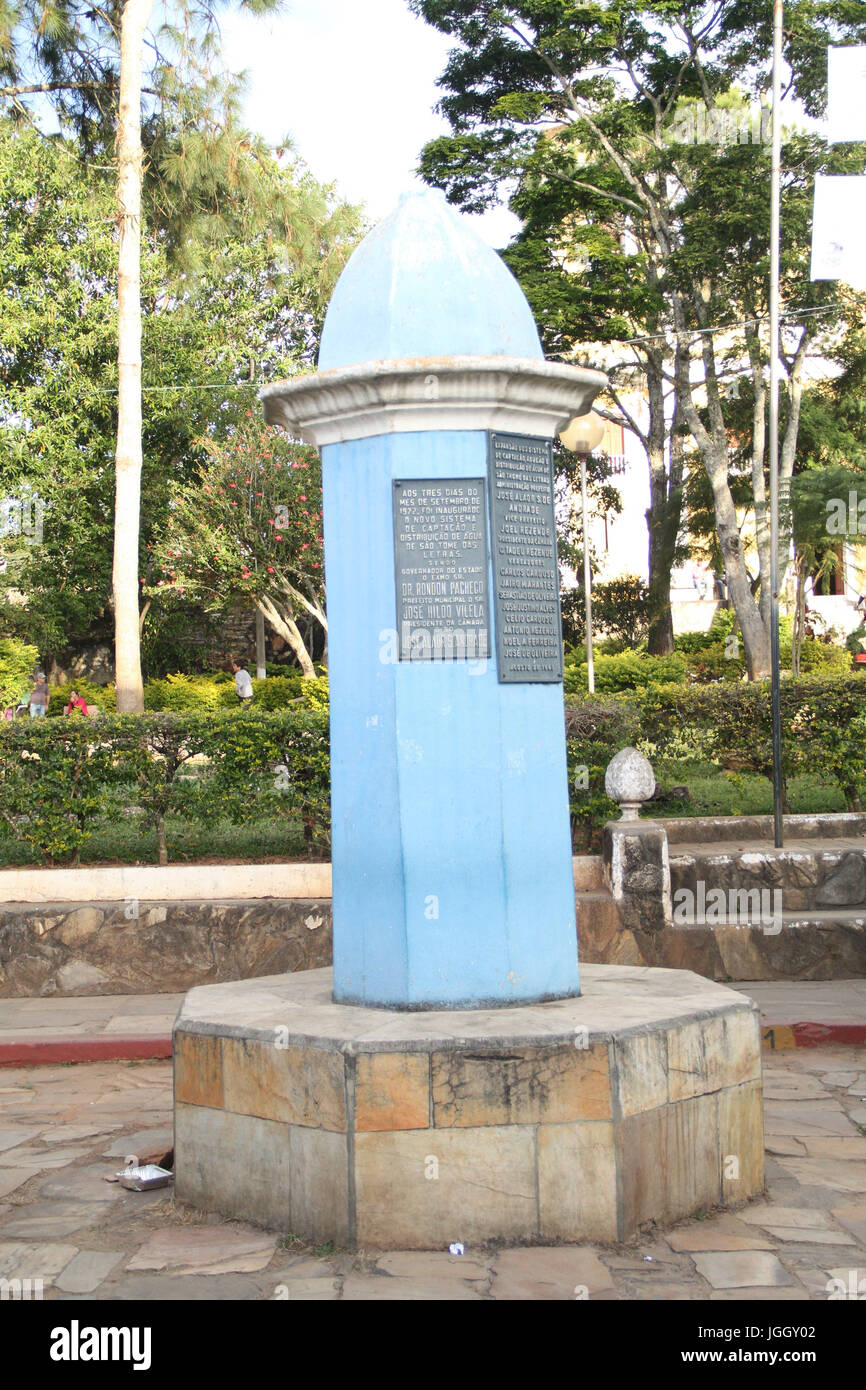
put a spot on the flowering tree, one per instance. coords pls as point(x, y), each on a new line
point(250, 528)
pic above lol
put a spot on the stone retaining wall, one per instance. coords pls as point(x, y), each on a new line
point(156, 947)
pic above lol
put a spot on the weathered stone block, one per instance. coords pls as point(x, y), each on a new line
point(741, 1138)
point(525, 1085)
point(577, 1181)
point(198, 1076)
point(392, 1091)
point(299, 1085)
point(534, 1137)
point(239, 1165)
point(712, 1053)
point(669, 1162)
point(453, 1184)
point(319, 1184)
point(637, 868)
point(642, 1072)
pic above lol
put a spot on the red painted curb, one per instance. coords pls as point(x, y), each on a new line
point(97, 1049)
point(818, 1034)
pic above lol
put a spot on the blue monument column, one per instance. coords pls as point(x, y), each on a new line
point(434, 410)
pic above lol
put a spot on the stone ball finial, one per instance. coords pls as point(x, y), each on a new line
point(629, 781)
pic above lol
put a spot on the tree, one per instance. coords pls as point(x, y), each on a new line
point(595, 100)
point(249, 526)
point(243, 314)
point(200, 174)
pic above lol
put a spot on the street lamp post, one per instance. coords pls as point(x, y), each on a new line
point(581, 435)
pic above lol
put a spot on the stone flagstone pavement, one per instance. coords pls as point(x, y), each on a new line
point(62, 1128)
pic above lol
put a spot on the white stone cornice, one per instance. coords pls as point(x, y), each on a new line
point(514, 394)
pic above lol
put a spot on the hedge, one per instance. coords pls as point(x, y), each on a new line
point(58, 776)
point(823, 727)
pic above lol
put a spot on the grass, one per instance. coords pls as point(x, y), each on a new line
point(714, 792)
point(124, 840)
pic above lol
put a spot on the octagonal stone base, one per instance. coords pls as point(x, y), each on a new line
point(579, 1119)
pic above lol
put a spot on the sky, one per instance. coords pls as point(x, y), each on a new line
point(353, 83)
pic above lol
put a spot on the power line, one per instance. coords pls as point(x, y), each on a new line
point(720, 328)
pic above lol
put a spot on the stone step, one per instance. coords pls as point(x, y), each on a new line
point(854, 917)
point(682, 830)
point(809, 875)
point(828, 945)
point(588, 873)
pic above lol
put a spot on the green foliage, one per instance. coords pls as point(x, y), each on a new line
point(251, 307)
point(628, 670)
point(620, 608)
point(18, 661)
point(720, 628)
point(596, 728)
point(52, 780)
point(56, 776)
point(247, 528)
point(856, 640)
point(823, 724)
point(177, 693)
point(632, 227)
point(96, 697)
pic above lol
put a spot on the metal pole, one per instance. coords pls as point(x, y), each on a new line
point(775, 239)
point(587, 580)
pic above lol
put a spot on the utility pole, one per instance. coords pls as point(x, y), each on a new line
point(775, 242)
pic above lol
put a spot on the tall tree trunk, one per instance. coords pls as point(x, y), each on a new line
point(261, 663)
point(713, 446)
point(800, 568)
point(288, 629)
point(663, 522)
point(127, 499)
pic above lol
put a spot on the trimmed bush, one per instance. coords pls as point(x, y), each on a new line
point(823, 726)
point(18, 661)
point(629, 670)
point(99, 698)
point(58, 776)
point(595, 729)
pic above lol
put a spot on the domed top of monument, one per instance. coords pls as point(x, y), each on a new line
point(422, 283)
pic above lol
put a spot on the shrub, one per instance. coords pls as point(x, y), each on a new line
point(715, 663)
point(595, 729)
point(636, 670)
point(621, 608)
point(18, 661)
point(58, 775)
point(179, 692)
point(96, 697)
point(52, 777)
point(721, 627)
point(823, 721)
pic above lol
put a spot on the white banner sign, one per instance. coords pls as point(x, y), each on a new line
point(846, 96)
point(838, 241)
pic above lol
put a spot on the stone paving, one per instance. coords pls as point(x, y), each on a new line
point(63, 1128)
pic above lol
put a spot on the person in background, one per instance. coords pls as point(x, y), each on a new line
point(76, 702)
point(243, 683)
point(39, 696)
